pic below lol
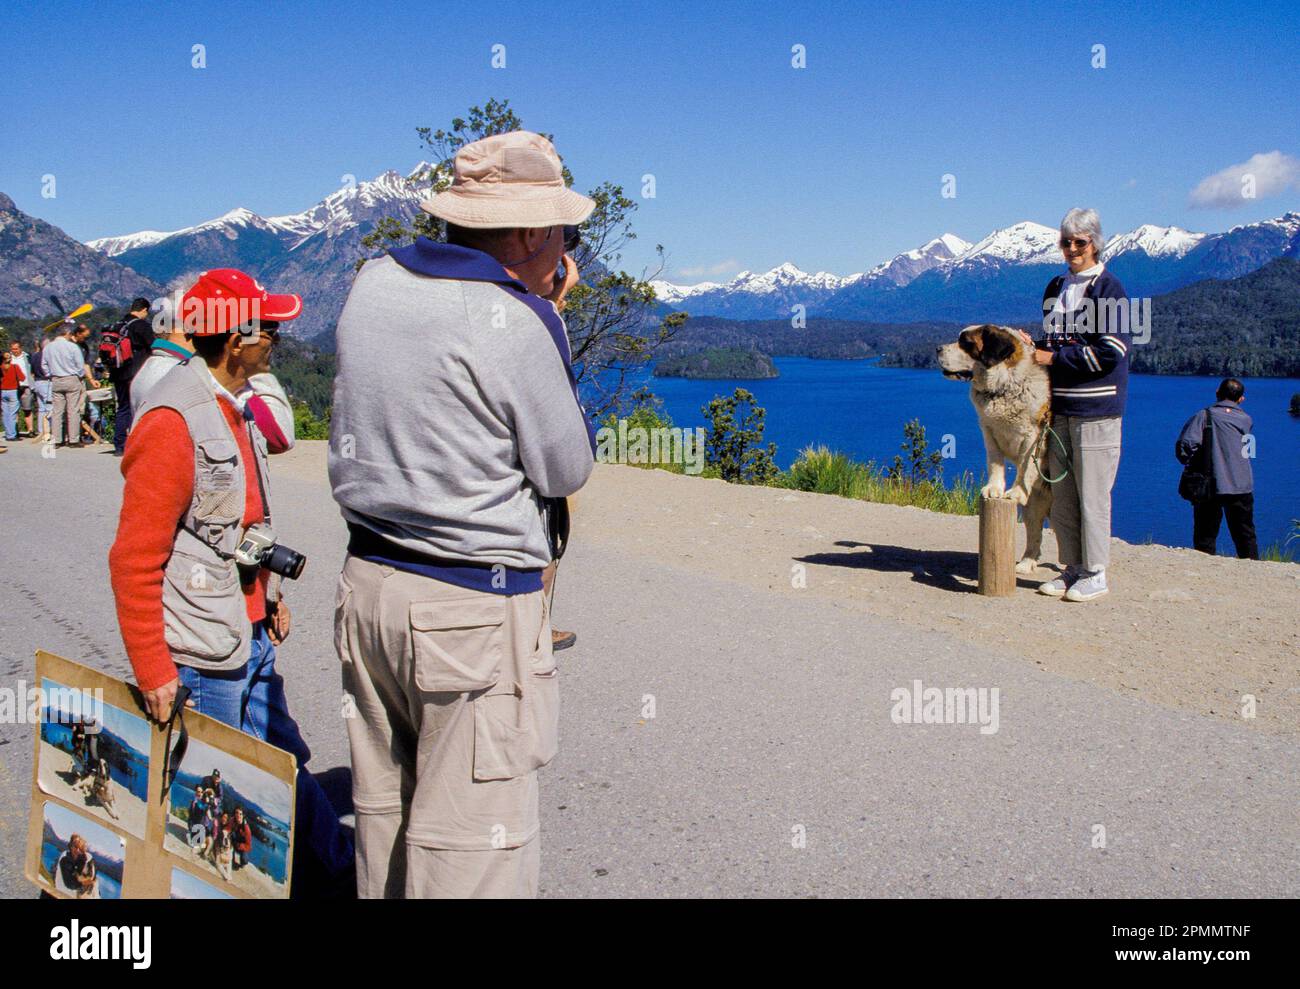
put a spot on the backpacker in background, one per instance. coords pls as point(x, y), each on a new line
point(115, 346)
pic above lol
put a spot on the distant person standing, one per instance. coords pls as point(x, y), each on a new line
point(132, 347)
point(26, 397)
point(41, 389)
point(1224, 426)
point(69, 374)
point(11, 378)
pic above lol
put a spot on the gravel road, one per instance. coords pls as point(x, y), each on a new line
point(728, 734)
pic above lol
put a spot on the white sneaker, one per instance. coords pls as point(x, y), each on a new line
point(1087, 587)
point(1057, 586)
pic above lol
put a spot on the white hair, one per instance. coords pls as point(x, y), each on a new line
point(1084, 221)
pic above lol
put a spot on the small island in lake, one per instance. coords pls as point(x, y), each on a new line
point(718, 362)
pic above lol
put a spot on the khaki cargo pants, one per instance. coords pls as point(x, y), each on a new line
point(452, 705)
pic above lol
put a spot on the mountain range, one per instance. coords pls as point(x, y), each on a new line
point(999, 278)
point(314, 252)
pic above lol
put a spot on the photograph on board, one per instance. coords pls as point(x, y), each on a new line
point(93, 755)
point(232, 819)
point(80, 858)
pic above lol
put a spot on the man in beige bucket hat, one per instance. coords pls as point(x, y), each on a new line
point(456, 416)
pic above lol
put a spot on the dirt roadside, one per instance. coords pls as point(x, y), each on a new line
point(1178, 628)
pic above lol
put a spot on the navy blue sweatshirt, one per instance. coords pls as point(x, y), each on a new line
point(1089, 373)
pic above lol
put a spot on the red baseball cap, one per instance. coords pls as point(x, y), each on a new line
point(225, 299)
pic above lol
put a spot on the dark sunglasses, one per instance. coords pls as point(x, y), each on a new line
point(173, 756)
point(1076, 243)
point(572, 238)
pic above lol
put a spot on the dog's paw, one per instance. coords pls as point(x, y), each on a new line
point(1027, 565)
point(1019, 495)
point(992, 490)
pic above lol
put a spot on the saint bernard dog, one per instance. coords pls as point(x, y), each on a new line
point(1012, 397)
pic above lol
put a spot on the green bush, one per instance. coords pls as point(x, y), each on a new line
point(645, 412)
point(306, 425)
point(825, 472)
point(734, 447)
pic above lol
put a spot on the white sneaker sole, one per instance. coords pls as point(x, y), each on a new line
point(1085, 597)
point(1051, 592)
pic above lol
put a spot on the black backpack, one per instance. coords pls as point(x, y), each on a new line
point(1197, 483)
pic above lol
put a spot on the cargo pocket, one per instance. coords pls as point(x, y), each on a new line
point(458, 645)
point(204, 616)
point(516, 725)
point(218, 499)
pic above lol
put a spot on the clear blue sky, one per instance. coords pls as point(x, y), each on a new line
point(833, 167)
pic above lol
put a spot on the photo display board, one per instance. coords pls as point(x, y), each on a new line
point(104, 824)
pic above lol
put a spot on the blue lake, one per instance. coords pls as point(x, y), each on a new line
point(859, 409)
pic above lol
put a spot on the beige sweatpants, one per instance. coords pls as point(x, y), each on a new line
point(1089, 449)
point(452, 705)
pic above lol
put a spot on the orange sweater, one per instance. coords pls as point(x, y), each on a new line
point(159, 471)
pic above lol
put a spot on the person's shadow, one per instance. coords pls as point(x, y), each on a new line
point(948, 570)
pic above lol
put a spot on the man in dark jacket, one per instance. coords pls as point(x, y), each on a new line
point(1229, 463)
point(139, 331)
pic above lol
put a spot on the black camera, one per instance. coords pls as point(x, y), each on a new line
point(258, 548)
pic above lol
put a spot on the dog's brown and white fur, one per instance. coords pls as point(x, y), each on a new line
point(1012, 397)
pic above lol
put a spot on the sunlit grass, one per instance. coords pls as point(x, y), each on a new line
point(827, 472)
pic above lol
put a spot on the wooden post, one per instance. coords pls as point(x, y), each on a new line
point(997, 572)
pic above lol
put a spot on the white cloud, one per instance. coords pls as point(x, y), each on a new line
point(1270, 173)
point(710, 270)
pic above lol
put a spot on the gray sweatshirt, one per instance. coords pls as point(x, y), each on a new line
point(453, 411)
point(1229, 425)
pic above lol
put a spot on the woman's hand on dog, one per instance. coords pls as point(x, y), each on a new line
point(1043, 357)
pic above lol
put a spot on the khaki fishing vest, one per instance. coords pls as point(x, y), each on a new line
point(204, 615)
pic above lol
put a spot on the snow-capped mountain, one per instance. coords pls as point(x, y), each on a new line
point(752, 295)
point(1155, 242)
point(312, 252)
point(902, 268)
point(113, 246)
point(1000, 277)
point(772, 294)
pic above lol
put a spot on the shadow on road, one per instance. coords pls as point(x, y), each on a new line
point(948, 570)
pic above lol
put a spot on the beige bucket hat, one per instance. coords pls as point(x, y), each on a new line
point(509, 180)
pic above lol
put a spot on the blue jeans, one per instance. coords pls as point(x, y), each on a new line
point(9, 405)
point(252, 699)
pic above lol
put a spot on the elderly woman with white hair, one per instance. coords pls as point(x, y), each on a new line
point(1084, 348)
